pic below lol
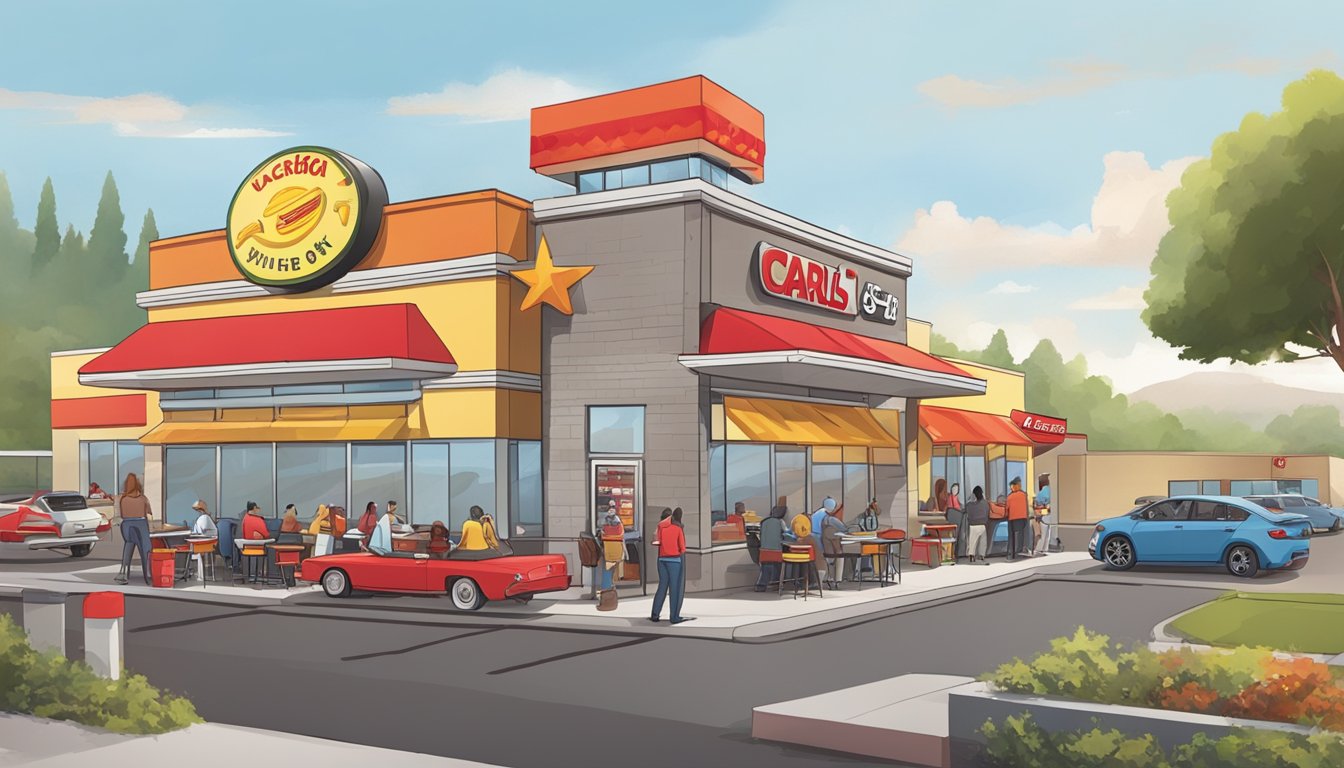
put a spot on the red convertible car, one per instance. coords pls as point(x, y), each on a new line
point(52, 520)
point(469, 578)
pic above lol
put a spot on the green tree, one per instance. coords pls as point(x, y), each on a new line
point(1310, 429)
point(12, 267)
point(943, 347)
point(997, 353)
point(47, 232)
point(107, 240)
point(1251, 268)
point(137, 277)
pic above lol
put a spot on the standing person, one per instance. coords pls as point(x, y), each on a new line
point(1042, 520)
point(135, 514)
point(205, 524)
point(671, 560)
point(613, 554)
point(978, 526)
point(832, 528)
point(956, 517)
point(772, 547)
point(1017, 518)
point(367, 522)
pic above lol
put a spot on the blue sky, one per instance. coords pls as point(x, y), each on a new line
point(999, 121)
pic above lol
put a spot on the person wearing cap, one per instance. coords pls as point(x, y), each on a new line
point(205, 524)
point(1017, 504)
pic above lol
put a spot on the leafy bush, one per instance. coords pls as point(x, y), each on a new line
point(51, 686)
point(1244, 682)
point(1020, 742)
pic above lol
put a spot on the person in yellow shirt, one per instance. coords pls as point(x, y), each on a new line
point(473, 533)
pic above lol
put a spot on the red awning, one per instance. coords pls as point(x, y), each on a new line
point(949, 426)
point(389, 341)
point(752, 346)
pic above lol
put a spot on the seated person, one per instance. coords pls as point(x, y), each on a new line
point(473, 533)
point(290, 523)
point(738, 518)
point(96, 492)
point(380, 540)
point(439, 544)
point(205, 524)
point(254, 525)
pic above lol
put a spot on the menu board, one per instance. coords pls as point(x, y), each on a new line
point(616, 483)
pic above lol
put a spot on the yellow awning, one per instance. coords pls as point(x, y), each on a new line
point(784, 421)
point(318, 431)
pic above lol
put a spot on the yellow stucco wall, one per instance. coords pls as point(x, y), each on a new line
point(918, 334)
point(1004, 391)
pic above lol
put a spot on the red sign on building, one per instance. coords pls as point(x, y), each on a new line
point(798, 278)
point(1041, 429)
point(1280, 462)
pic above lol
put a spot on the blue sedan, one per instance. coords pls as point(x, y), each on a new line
point(1322, 517)
point(1202, 531)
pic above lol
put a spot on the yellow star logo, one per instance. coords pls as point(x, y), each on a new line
point(547, 283)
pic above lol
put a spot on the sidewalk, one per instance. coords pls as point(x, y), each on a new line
point(741, 615)
point(33, 741)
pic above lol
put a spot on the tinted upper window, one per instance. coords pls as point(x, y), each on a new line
point(1293, 501)
point(1169, 510)
point(1208, 510)
point(64, 502)
point(1234, 514)
point(1267, 503)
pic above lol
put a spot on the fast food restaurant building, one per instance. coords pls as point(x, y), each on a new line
point(655, 339)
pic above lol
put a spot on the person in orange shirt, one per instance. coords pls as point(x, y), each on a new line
point(1017, 505)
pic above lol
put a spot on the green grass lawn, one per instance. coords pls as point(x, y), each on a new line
point(1305, 623)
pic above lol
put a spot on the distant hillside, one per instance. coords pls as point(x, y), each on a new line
point(1247, 398)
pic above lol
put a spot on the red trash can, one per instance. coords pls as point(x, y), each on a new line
point(163, 567)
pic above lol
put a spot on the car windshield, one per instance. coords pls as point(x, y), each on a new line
point(64, 502)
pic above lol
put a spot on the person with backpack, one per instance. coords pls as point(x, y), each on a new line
point(671, 568)
point(613, 554)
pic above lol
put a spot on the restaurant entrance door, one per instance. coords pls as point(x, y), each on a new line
point(622, 482)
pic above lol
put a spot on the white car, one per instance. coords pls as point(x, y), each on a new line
point(60, 520)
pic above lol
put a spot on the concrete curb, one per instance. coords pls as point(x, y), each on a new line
point(1164, 640)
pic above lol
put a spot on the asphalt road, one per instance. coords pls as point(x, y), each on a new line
point(485, 689)
point(526, 697)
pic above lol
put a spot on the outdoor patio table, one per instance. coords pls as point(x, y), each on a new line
point(886, 556)
point(938, 531)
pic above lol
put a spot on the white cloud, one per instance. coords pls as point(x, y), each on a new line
point(1067, 78)
point(1129, 217)
point(1152, 361)
point(140, 114)
point(1008, 287)
point(1124, 297)
point(508, 95)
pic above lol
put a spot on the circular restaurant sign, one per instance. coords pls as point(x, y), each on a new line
point(305, 217)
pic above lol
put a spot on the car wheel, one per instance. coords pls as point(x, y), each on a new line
point(335, 583)
point(466, 595)
point(1118, 553)
point(80, 550)
point(1242, 562)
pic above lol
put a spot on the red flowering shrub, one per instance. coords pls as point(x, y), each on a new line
point(1292, 691)
point(1190, 697)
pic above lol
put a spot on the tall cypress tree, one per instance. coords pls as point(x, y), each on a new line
point(149, 232)
point(11, 268)
point(46, 231)
point(137, 277)
point(107, 259)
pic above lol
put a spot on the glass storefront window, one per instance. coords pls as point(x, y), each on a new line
point(827, 480)
point(103, 466)
point(130, 458)
point(378, 474)
point(857, 490)
point(747, 481)
point(246, 474)
point(718, 509)
point(525, 507)
point(973, 470)
point(430, 482)
point(473, 480)
point(1182, 488)
point(590, 182)
point(311, 474)
point(189, 475)
point(670, 170)
point(616, 429)
point(1240, 488)
point(790, 478)
point(1211, 487)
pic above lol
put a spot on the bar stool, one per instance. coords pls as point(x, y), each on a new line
point(254, 558)
point(203, 552)
point(287, 561)
point(802, 561)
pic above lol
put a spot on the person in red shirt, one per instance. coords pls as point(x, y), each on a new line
point(671, 567)
point(254, 525)
point(1017, 505)
point(367, 521)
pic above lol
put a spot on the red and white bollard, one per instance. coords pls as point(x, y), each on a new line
point(103, 616)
